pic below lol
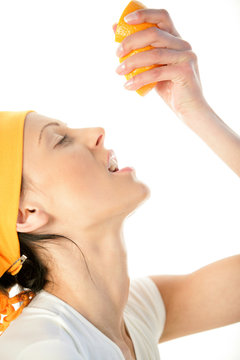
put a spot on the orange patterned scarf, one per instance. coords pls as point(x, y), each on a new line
point(11, 157)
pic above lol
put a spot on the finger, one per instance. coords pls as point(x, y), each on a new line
point(156, 56)
point(176, 73)
point(114, 27)
point(152, 36)
point(160, 17)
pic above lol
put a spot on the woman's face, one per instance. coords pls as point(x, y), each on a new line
point(70, 181)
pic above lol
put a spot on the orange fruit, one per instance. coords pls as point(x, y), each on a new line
point(123, 30)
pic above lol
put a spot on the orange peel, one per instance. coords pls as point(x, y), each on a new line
point(122, 31)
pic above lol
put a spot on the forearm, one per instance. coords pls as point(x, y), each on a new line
point(217, 135)
point(184, 95)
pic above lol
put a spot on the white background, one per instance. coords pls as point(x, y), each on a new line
point(58, 58)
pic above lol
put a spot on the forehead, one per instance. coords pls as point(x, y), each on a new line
point(35, 121)
point(34, 156)
point(33, 125)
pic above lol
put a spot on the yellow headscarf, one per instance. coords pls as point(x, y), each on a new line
point(11, 156)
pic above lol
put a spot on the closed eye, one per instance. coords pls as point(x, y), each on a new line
point(63, 140)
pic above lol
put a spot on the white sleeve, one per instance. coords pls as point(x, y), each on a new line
point(147, 298)
point(49, 350)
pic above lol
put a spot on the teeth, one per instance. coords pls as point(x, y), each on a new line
point(113, 165)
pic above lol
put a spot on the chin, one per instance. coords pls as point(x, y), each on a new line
point(140, 196)
point(145, 191)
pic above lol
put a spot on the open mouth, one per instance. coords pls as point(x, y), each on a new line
point(112, 162)
point(113, 168)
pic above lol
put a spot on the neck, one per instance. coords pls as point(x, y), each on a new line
point(101, 293)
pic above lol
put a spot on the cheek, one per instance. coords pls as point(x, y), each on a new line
point(81, 181)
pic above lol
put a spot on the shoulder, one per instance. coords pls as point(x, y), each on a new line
point(146, 306)
point(26, 332)
point(53, 349)
point(32, 331)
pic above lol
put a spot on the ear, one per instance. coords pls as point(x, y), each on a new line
point(31, 218)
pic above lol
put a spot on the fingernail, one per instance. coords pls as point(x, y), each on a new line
point(128, 84)
point(119, 50)
point(131, 17)
point(120, 68)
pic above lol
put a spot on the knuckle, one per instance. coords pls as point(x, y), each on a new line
point(140, 14)
point(187, 45)
point(192, 55)
point(155, 72)
point(154, 31)
point(157, 53)
point(165, 13)
point(189, 55)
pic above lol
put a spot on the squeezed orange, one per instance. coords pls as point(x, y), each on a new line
point(123, 30)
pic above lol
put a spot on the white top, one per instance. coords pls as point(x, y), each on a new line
point(50, 329)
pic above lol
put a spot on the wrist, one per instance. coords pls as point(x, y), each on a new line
point(194, 113)
point(205, 123)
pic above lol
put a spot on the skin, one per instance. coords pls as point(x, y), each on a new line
point(70, 192)
point(178, 83)
point(101, 201)
point(190, 304)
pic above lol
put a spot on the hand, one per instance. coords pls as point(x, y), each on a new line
point(178, 82)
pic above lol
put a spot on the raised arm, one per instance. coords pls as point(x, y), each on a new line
point(178, 83)
point(217, 135)
point(209, 297)
point(205, 299)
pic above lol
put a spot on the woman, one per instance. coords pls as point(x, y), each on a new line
point(82, 304)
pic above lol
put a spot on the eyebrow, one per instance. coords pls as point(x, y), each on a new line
point(44, 127)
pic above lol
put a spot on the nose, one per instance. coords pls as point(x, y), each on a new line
point(91, 137)
point(94, 137)
point(100, 136)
